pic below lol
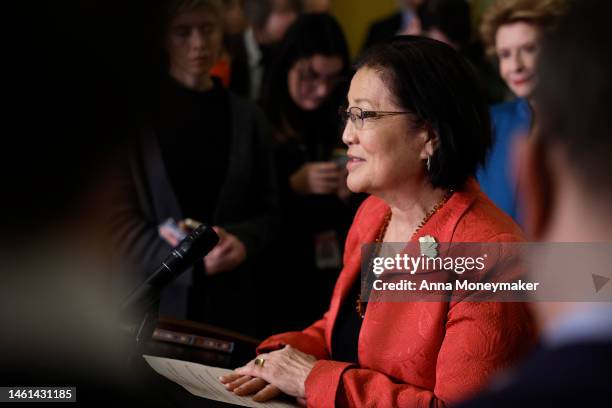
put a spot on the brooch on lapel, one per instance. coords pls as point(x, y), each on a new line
point(429, 246)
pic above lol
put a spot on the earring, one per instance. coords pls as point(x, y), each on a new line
point(428, 164)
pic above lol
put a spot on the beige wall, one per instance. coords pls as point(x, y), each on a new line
point(355, 16)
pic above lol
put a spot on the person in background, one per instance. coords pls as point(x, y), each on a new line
point(511, 31)
point(449, 21)
point(405, 21)
point(234, 20)
point(302, 101)
point(564, 176)
point(317, 6)
point(234, 24)
point(252, 50)
point(205, 155)
point(416, 131)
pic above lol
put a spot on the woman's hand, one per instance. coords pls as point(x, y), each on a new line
point(285, 369)
point(227, 255)
point(316, 178)
point(246, 385)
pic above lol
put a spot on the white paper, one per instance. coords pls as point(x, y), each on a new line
point(203, 381)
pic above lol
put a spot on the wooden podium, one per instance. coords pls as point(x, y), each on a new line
point(242, 347)
point(242, 351)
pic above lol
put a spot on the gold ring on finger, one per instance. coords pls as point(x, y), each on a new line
point(259, 362)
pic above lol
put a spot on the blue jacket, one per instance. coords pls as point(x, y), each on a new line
point(510, 120)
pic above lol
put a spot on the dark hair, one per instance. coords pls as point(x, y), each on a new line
point(452, 17)
point(311, 34)
point(573, 96)
point(258, 11)
point(437, 84)
point(172, 8)
point(175, 7)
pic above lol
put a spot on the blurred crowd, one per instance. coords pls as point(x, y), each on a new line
point(243, 134)
point(239, 127)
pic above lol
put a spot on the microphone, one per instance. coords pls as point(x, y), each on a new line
point(195, 246)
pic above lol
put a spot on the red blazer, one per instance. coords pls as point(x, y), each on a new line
point(417, 354)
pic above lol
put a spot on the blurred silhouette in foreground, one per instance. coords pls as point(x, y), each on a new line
point(56, 312)
point(565, 171)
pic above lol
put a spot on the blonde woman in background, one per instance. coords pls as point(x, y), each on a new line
point(511, 31)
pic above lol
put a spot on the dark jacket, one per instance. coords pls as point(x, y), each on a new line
point(246, 207)
point(240, 80)
point(575, 375)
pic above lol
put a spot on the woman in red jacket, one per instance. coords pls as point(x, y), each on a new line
point(416, 131)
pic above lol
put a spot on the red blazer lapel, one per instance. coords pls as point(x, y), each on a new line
point(366, 232)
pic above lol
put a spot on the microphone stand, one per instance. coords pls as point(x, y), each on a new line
point(144, 300)
point(142, 334)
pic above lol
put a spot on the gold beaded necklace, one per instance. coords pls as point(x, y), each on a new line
point(361, 306)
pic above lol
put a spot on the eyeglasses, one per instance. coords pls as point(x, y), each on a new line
point(358, 115)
